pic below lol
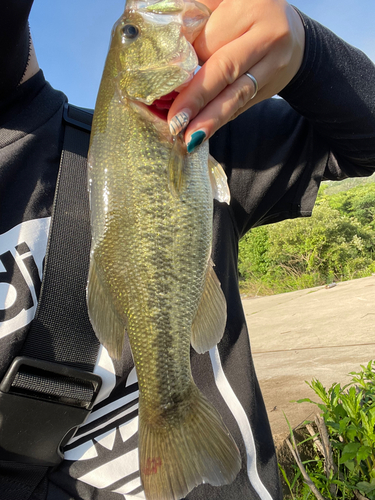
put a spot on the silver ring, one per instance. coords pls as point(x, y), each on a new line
point(253, 79)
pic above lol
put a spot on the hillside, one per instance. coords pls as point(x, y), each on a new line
point(334, 187)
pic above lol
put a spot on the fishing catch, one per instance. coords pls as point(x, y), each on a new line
point(151, 274)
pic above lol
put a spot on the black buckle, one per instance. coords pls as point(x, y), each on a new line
point(84, 114)
point(41, 406)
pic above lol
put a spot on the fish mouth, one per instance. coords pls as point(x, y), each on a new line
point(161, 106)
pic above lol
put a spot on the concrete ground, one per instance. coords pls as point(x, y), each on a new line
point(321, 333)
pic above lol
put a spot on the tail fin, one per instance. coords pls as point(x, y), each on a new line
point(184, 450)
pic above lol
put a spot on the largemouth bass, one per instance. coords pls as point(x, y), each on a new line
point(150, 269)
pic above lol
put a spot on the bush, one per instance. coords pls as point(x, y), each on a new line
point(359, 203)
point(330, 245)
point(335, 244)
point(349, 415)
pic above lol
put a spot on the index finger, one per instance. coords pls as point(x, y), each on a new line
point(227, 50)
point(227, 22)
point(219, 72)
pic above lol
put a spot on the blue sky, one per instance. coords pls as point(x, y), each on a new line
point(71, 37)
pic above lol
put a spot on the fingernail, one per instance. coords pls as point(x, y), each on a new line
point(179, 122)
point(196, 140)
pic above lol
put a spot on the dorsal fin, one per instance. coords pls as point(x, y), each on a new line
point(219, 183)
point(106, 322)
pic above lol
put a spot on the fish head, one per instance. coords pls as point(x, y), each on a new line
point(152, 45)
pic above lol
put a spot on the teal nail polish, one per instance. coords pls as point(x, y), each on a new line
point(195, 140)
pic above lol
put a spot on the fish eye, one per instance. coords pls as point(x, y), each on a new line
point(130, 31)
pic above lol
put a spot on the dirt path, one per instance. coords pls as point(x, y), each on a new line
point(315, 333)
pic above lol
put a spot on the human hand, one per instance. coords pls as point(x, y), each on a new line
point(263, 37)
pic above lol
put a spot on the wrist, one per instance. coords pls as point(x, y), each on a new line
point(299, 41)
point(307, 59)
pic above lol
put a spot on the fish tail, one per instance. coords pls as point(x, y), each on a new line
point(177, 454)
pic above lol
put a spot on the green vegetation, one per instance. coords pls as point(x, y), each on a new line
point(333, 187)
point(343, 458)
point(335, 244)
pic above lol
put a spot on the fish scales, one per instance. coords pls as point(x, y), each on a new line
point(163, 274)
point(150, 269)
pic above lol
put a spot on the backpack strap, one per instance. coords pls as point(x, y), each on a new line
point(61, 331)
point(50, 389)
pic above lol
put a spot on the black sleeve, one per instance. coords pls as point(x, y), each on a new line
point(14, 43)
point(335, 90)
point(277, 153)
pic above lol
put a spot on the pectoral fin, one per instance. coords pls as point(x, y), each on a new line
point(210, 319)
point(106, 322)
point(218, 178)
point(176, 166)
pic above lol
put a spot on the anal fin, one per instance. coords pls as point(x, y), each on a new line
point(210, 319)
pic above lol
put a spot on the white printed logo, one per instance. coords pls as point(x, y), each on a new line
point(22, 252)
